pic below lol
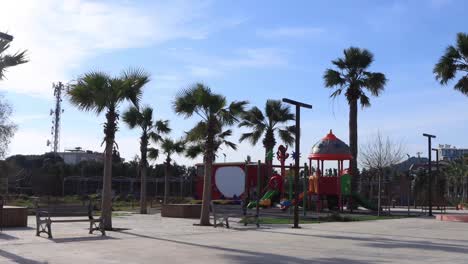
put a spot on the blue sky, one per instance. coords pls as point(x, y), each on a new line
point(246, 50)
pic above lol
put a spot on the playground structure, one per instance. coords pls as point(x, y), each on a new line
point(329, 183)
point(324, 187)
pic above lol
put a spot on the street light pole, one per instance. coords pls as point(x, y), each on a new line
point(429, 170)
point(437, 174)
point(297, 156)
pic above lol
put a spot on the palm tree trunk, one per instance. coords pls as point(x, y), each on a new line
point(143, 173)
point(269, 143)
point(106, 206)
point(166, 179)
point(353, 143)
point(143, 202)
point(207, 189)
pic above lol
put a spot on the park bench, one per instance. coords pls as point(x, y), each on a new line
point(223, 210)
point(66, 213)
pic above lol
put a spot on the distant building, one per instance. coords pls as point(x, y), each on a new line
point(449, 153)
point(77, 155)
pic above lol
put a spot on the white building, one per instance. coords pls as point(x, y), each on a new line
point(449, 153)
point(77, 155)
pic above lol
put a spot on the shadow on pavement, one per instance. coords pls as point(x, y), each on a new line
point(247, 256)
point(82, 239)
point(13, 258)
point(388, 243)
point(4, 236)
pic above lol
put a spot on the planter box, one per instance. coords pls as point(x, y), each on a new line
point(14, 216)
point(181, 210)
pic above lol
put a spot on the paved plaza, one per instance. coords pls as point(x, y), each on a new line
point(152, 239)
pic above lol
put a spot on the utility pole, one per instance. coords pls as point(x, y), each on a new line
point(56, 115)
point(429, 170)
point(297, 156)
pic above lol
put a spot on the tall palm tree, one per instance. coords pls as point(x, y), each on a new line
point(215, 114)
point(274, 120)
point(9, 60)
point(169, 147)
point(454, 60)
point(98, 92)
point(143, 119)
point(352, 77)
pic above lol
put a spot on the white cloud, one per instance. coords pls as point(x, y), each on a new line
point(241, 59)
point(437, 4)
point(19, 119)
point(203, 72)
point(291, 32)
point(61, 35)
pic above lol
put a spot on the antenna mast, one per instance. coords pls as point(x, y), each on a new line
point(56, 114)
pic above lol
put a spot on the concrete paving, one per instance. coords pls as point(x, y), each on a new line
point(152, 239)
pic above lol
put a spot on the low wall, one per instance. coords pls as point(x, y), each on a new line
point(181, 210)
point(453, 217)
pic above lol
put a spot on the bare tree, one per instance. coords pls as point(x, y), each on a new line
point(380, 153)
point(7, 127)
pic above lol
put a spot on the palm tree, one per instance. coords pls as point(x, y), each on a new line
point(455, 60)
point(169, 147)
point(9, 60)
point(215, 114)
point(143, 119)
point(353, 78)
point(98, 92)
point(274, 120)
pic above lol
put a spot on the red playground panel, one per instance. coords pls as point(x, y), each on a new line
point(228, 180)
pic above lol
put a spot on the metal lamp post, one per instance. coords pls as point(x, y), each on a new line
point(297, 156)
point(437, 175)
point(429, 170)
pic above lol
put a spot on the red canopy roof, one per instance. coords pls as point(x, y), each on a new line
point(330, 148)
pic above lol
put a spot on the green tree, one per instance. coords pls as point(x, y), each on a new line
point(456, 174)
point(98, 92)
point(276, 116)
point(143, 119)
point(453, 62)
point(215, 114)
point(169, 147)
point(353, 78)
point(9, 60)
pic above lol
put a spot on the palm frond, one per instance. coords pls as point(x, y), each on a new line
point(10, 60)
point(198, 132)
point(462, 85)
point(132, 117)
point(462, 44)
point(365, 101)
point(153, 153)
point(375, 82)
point(194, 151)
point(91, 92)
point(446, 68)
point(333, 78)
point(162, 127)
point(286, 135)
point(133, 81)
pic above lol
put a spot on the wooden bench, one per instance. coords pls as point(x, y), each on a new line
point(62, 213)
point(221, 213)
